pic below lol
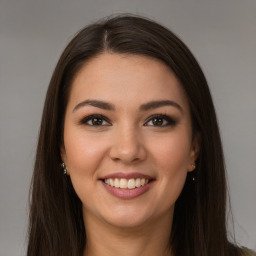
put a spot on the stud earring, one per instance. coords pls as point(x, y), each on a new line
point(65, 172)
point(193, 177)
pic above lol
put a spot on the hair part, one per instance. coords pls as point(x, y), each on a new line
point(199, 225)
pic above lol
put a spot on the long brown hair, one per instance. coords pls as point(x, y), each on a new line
point(199, 226)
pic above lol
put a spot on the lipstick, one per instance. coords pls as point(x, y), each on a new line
point(127, 185)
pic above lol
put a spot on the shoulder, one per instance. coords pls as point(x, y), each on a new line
point(248, 252)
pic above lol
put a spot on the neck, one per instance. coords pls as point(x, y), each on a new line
point(149, 239)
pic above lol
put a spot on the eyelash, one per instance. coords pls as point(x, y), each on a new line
point(169, 121)
point(91, 117)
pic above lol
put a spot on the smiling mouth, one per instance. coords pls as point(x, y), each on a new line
point(126, 183)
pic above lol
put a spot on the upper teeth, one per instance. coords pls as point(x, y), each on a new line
point(124, 183)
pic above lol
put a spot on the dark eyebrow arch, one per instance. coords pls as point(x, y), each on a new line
point(160, 103)
point(143, 107)
point(95, 103)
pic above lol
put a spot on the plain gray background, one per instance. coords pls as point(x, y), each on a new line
point(221, 34)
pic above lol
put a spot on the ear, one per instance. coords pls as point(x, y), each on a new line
point(194, 152)
point(64, 160)
point(63, 154)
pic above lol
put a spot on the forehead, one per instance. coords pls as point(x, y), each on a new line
point(126, 79)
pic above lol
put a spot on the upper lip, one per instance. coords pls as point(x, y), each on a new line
point(122, 175)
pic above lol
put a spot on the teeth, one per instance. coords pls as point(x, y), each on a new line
point(116, 183)
point(124, 183)
point(131, 183)
point(137, 183)
point(111, 182)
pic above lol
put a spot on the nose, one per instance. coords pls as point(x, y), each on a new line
point(127, 146)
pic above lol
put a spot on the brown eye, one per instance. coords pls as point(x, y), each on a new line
point(160, 120)
point(95, 120)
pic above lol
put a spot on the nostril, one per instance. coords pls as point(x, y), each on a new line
point(127, 150)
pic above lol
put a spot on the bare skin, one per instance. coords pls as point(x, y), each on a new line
point(128, 115)
point(145, 240)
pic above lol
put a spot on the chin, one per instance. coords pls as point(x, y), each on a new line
point(126, 222)
point(126, 217)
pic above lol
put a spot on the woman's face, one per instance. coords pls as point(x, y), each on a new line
point(128, 139)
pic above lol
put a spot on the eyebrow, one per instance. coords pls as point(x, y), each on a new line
point(95, 103)
point(160, 103)
point(143, 107)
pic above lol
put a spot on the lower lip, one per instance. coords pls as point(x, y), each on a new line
point(127, 193)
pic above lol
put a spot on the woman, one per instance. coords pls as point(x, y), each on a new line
point(129, 159)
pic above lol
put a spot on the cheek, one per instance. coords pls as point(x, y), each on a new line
point(171, 158)
point(172, 153)
point(83, 152)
